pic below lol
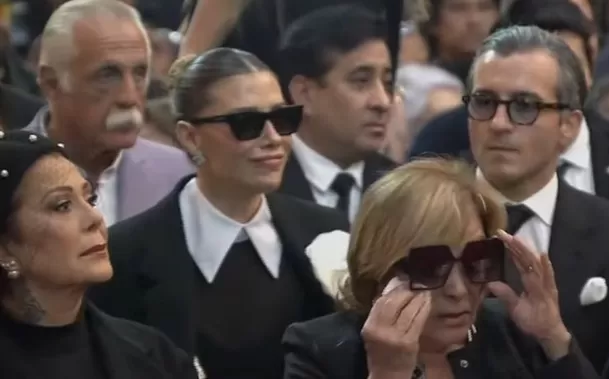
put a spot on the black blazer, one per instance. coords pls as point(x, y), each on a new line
point(599, 150)
point(134, 351)
point(331, 348)
point(154, 274)
point(296, 184)
point(579, 250)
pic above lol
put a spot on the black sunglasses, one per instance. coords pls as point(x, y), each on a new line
point(521, 111)
point(428, 267)
point(248, 125)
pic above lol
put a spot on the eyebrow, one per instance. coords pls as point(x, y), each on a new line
point(86, 186)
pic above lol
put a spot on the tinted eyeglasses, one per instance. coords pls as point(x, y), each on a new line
point(249, 125)
point(428, 267)
point(521, 111)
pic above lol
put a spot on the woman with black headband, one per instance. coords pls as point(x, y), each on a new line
point(219, 265)
point(424, 252)
point(52, 248)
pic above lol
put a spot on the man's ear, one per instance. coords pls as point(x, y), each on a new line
point(570, 127)
point(48, 81)
point(302, 92)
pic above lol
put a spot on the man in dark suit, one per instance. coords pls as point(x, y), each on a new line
point(525, 109)
point(17, 108)
point(586, 161)
point(335, 62)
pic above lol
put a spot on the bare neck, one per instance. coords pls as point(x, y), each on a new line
point(93, 161)
point(523, 189)
point(44, 307)
point(236, 203)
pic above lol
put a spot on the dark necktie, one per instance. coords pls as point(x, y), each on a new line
point(517, 215)
point(342, 185)
point(562, 169)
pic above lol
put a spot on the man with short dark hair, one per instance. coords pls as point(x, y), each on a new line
point(524, 104)
point(335, 62)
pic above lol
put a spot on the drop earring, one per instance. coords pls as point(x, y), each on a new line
point(197, 158)
point(12, 269)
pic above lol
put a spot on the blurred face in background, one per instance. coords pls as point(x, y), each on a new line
point(462, 25)
point(249, 166)
point(578, 46)
point(101, 94)
point(349, 107)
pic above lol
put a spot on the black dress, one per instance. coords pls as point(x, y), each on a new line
point(66, 352)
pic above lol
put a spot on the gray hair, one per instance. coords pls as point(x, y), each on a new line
point(57, 40)
point(571, 87)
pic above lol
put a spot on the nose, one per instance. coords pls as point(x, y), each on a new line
point(130, 92)
point(380, 98)
point(94, 220)
point(501, 121)
point(269, 133)
point(455, 286)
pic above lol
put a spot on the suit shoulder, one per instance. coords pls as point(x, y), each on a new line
point(597, 204)
point(159, 150)
point(381, 162)
point(340, 328)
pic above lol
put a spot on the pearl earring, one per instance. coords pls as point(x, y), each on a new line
point(12, 269)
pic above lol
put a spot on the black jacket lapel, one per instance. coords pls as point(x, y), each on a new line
point(167, 274)
point(570, 240)
point(295, 239)
point(599, 146)
point(376, 166)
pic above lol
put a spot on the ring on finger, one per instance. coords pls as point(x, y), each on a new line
point(529, 269)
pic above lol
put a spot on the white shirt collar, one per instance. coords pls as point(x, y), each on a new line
point(319, 170)
point(210, 234)
point(578, 154)
point(542, 203)
point(110, 172)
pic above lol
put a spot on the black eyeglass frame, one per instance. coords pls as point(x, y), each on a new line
point(237, 120)
point(539, 106)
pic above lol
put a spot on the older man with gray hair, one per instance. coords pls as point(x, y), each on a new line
point(94, 70)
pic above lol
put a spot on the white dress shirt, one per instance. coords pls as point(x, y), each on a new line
point(579, 173)
point(537, 230)
point(320, 172)
point(107, 192)
point(210, 234)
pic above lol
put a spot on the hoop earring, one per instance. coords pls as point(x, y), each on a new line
point(12, 269)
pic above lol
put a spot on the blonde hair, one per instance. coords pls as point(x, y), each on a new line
point(425, 202)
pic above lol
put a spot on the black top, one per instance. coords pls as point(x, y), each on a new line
point(242, 315)
point(331, 348)
point(30, 351)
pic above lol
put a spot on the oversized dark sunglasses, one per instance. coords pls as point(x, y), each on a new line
point(521, 111)
point(248, 125)
point(428, 267)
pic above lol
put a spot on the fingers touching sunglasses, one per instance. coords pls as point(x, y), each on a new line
point(249, 125)
point(428, 267)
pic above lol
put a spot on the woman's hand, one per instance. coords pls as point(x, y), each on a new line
point(536, 312)
point(391, 333)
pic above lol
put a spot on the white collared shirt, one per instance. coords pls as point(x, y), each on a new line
point(579, 174)
point(107, 192)
point(210, 234)
point(537, 230)
point(321, 172)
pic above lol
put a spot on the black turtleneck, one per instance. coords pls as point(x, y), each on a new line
point(30, 351)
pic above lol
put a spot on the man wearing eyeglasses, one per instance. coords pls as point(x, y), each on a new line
point(524, 104)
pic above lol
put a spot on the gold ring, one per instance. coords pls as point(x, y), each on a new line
point(529, 268)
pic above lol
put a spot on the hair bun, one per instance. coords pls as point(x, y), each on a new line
point(178, 68)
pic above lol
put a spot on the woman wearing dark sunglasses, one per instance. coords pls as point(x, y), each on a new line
point(219, 265)
point(423, 255)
